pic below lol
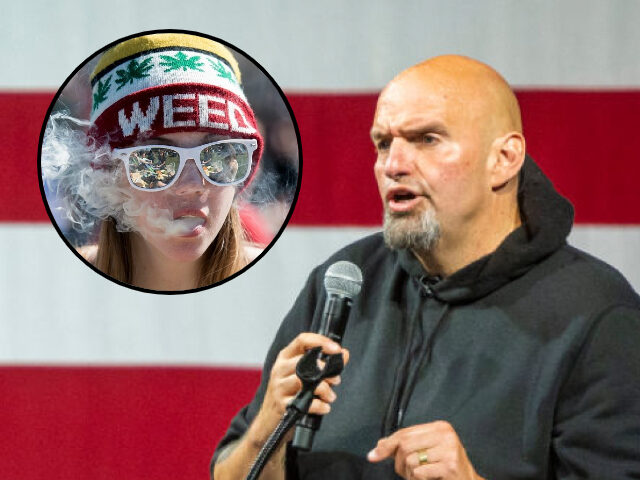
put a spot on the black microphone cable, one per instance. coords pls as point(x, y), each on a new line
point(288, 420)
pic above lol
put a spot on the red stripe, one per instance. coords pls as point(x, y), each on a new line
point(108, 423)
point(21, 118)
point(585, 141)
point(338, 187)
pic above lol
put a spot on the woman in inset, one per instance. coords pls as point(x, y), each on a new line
point(173, 141)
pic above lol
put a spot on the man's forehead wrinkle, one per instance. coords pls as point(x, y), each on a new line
point(412, 114)
point(411, 124)
point(481, 88)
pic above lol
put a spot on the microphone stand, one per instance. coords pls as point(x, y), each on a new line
point(310, 374)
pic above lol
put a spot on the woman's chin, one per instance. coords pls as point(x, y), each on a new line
point(184, 249)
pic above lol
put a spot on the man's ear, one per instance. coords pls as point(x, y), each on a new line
point(508, 157)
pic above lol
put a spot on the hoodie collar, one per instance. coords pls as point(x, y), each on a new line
point(547, 218)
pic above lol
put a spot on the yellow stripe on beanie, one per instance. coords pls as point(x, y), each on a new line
point(145, 43)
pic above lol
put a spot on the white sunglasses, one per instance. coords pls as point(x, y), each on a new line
point(157, 167)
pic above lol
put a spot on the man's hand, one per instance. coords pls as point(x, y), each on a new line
point(282, 387)
point(284, 384)
point(427, 451)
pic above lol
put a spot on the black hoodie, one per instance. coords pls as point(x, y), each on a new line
point(532, 353)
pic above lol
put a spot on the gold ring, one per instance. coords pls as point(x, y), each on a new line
point(422, 457)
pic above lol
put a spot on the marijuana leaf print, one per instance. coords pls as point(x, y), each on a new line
point(181, 61)
point(134, 70)
point(101, 93)
point(221, 70)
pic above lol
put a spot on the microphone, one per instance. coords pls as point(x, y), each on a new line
point(342, 282)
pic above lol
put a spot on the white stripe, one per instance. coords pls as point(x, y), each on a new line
point(617, 245)
point(338, 45)
point(57, 310)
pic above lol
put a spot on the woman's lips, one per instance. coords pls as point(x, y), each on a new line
point(190, 212)
point(189, 223)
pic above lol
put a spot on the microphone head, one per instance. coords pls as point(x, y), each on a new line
point(343, 278)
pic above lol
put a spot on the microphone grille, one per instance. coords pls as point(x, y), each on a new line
point(343, 278)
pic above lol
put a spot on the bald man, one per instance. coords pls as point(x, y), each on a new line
point(481, 344)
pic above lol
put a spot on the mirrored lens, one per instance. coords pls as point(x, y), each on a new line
point(152, 168)
point(226, 162)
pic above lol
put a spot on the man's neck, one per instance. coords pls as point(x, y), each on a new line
point(451, 253)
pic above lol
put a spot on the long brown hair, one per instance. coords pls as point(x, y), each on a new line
point(224, 257)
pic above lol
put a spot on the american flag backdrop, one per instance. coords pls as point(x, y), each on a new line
point(102, 382)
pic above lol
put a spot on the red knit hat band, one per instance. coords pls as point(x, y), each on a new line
point(176, 108)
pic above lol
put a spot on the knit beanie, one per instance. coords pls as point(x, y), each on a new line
point(169, 82)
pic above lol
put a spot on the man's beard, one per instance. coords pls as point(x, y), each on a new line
point(418, 232)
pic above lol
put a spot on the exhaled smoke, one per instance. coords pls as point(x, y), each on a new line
point(416, 232)
point(87, 184)
point(269, 187)
point(272, 195)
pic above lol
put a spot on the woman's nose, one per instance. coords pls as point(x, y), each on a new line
point(190, 179)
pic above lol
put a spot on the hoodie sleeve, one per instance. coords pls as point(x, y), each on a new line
point(597, 424)
point(299, 319)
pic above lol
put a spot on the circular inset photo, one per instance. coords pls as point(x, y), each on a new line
point(169, 161)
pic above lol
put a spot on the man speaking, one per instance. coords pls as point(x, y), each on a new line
point(481, 345)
